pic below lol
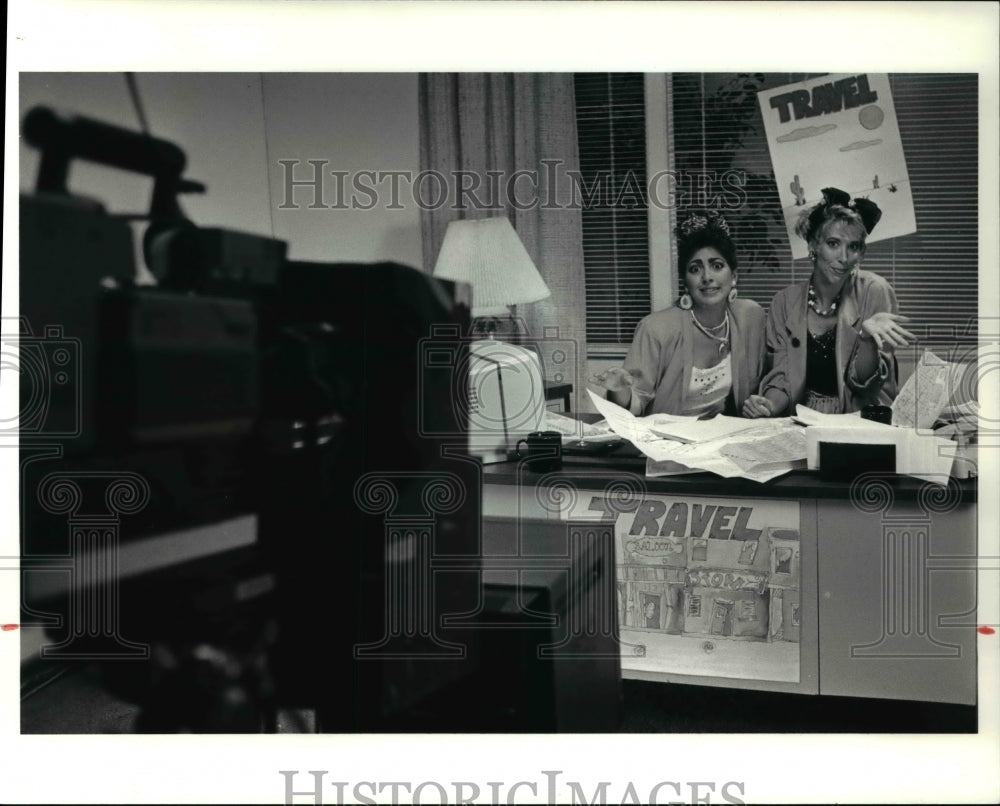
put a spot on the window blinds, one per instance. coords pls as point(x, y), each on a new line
point(611, 129)
point(721, 159)
point(934, 271)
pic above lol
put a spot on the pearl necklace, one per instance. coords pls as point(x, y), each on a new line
point(722, 340)
point(813, 302)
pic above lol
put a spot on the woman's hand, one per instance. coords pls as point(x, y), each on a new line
point(616, 379)
point(757, 406)
point(886, 331)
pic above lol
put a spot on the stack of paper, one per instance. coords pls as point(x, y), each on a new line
point(921, 455)
point(573, 429)
point(925, 393)
point(691, 429)
point(752, 449)
point(763, 449)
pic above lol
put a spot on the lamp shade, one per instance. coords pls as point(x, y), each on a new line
point(488, 254)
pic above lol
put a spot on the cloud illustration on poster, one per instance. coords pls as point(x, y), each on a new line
point(860, 144)
point(809, 131)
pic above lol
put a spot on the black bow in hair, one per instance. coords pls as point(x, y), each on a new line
point(868, 211)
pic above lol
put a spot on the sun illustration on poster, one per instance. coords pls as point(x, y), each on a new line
point(871, 117)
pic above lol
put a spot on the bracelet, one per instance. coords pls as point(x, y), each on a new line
point(863, 335)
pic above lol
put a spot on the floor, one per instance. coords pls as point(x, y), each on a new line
point(658, 708)
point(76, 701)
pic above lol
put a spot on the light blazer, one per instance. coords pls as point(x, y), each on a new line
point(663, 353)
point(863, 296)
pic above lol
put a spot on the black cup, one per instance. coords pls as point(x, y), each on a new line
point(880, 414)
point(543, 452)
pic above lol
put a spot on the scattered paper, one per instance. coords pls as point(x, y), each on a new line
point(926, 457)
point(654, 468)
point(761, 450)
point(926, 392)
point(574, 429)
point(764, 473)
point(620, 420)
point(808, 416)
point(670, 456)
point(789, 445)
point(694, 430)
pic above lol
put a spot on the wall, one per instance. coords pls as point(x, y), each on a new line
point(234, 128)
point(355, 123)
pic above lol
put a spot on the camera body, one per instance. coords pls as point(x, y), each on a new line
point(232, 458)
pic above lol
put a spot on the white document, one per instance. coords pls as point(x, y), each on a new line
point(926, 393)
point(750, 440)
point(759, 452)
point(694, 430)
point(620, 420)
point(786, 445)
point(655, 469)
point(764, 473)
point(808, 416)
point(926, 457)
point(573, 429)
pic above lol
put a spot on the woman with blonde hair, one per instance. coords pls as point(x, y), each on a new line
point(831, 338)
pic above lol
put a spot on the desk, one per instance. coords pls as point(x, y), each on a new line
point(884, 600)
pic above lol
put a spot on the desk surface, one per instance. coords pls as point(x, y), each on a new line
point(797, 484)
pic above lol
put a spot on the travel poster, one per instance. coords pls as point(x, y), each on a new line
point(838, 131)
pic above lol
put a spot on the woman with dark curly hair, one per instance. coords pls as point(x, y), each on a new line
point(831, 337)
point(704, 355)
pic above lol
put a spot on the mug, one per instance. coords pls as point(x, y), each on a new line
point(544, 451)
point(880, 414)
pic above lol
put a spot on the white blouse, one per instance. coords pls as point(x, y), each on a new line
point(706, 396)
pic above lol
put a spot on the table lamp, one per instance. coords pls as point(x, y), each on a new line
point(488, 254)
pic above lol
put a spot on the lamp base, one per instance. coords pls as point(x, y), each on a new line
point(507, 328)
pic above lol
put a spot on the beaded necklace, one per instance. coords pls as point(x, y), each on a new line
point(813, 302)
point(722, 340)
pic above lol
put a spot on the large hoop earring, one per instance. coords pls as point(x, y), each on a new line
point(733, 293)
point(685, 301)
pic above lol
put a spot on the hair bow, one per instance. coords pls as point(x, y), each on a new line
point(866, 209)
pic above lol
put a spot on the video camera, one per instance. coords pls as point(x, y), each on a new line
point(231, 480)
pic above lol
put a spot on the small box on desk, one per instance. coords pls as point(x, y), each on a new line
point(843, 461)
point(843, 453)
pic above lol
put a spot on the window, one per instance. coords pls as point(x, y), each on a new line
point(723, 162)
point(611, 130)
point(718, 128)
point(716, 134)
point(935, 271)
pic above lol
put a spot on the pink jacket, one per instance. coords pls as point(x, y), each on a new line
point(663, 352)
